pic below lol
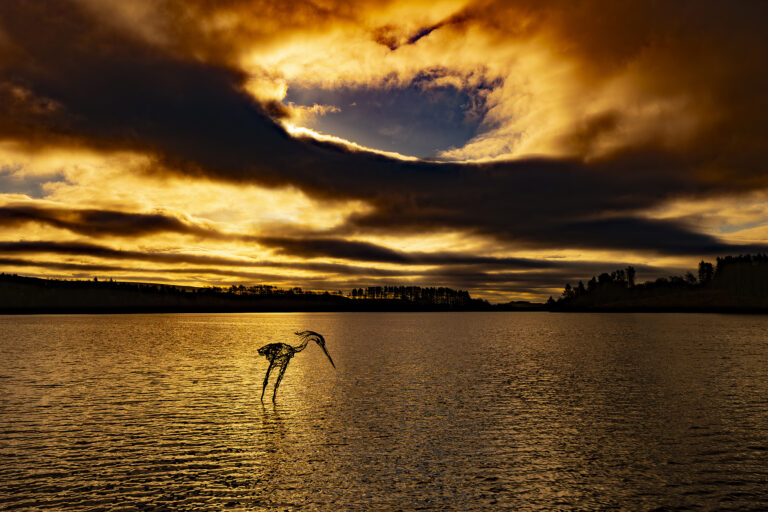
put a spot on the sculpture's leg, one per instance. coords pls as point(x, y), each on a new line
point(266, 379)
point(279, 378)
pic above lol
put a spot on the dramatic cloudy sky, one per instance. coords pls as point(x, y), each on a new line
point(502, 147)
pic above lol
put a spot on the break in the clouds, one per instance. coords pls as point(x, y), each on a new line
point(414, 120)
point(456, 143)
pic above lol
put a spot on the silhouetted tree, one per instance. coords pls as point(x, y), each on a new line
point(706, 272)
point(734, 283)
point(631, 276)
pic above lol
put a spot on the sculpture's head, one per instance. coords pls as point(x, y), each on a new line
point(317, 338)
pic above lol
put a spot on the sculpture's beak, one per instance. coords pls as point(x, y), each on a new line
point(329, 355)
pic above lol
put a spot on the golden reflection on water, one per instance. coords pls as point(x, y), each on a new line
point(465, 411)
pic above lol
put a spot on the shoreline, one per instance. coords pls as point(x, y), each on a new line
point(162, 311)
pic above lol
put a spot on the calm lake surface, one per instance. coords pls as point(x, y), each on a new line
point(457, 411)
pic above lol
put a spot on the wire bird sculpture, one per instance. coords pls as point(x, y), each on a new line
point(280, 354)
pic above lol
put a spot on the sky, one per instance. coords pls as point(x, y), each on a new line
point(502, 147)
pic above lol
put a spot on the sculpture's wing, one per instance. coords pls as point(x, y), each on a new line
point(269, 350)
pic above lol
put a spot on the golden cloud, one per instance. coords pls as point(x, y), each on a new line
point(645, 119)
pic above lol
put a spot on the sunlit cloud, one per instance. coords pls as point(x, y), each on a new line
point(587, 135)
point(300, 131)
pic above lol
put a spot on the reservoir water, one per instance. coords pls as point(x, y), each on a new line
point(432, 411)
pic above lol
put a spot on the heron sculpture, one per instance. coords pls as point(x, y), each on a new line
point(280, 354)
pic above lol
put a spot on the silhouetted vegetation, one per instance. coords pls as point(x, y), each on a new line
point(415, 294)
point(32, 295)
point(734, 283)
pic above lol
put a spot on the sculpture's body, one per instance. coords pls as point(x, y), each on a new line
point(280, 354)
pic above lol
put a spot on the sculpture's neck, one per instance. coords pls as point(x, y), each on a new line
point(303, 345)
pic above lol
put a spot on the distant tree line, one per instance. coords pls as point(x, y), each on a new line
point(260, 289)
point(267, 289)
point(27, 294)
point(733, 282)
point(417, 294)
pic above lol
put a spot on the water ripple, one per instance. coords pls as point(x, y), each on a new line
point(469, 411)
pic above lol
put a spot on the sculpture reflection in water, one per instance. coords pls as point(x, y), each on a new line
point(280, 354)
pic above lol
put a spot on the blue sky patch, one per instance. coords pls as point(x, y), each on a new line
point(411, 120)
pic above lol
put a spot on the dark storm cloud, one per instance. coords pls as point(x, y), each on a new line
point(69, 80)
point(83, 268)
point(391, 37)
point(477, 272)
point(95, 223)
point(662, 236)
point(100, 251)
point(365, 251)
point(58, 265)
